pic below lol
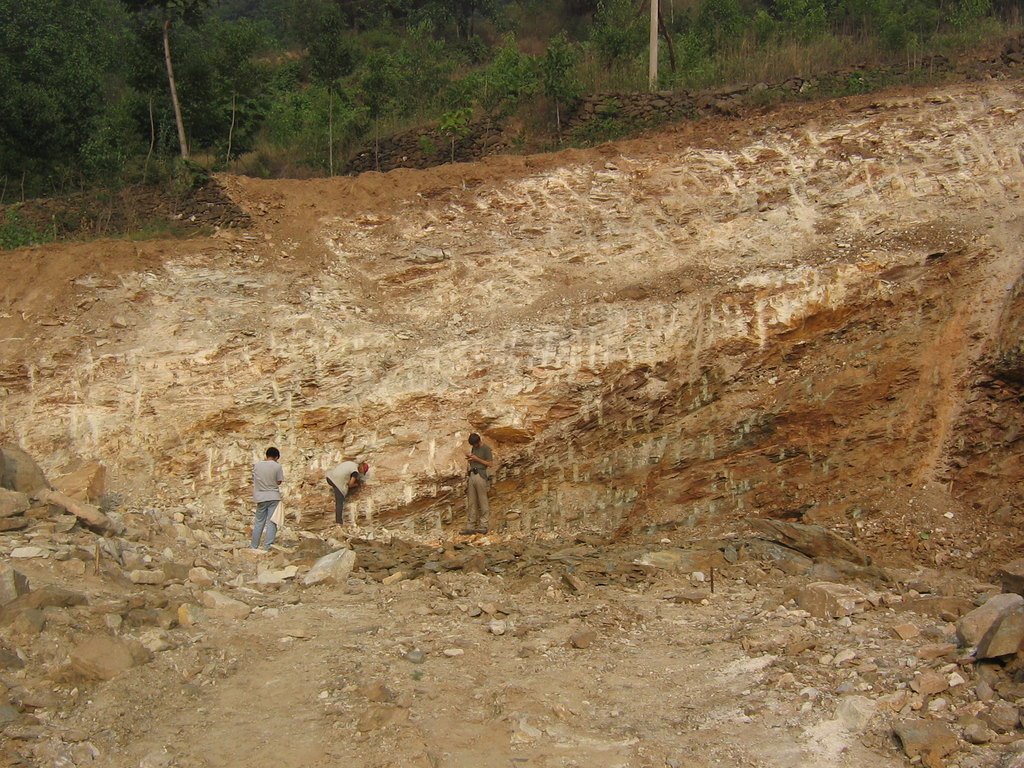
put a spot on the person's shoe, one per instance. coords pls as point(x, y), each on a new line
point(480, 530)
point(467, 531)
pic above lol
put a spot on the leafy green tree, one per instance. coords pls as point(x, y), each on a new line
point(54, 63)
point(455, 125)
point(331, 57)
point(378, 88)
point(558, 76)
point(618, 33)
point(461, 13)
point(720, 22)
point(509, 77)
point(803, 18)
point(968, 12)
point(240, 79)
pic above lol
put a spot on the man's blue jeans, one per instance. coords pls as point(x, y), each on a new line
point(264, 511)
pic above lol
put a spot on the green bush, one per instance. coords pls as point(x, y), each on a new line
point(14, 233)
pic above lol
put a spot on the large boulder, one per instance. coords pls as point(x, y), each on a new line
point(13, 584)
point(13, 503)
point(1004, 637)
point(19, 471)
point(971, 628)
point(87, 483)
point(222, 606)
point(333, 567)
point(1009, 358)
point(811, 540)
point(826, 600)
point(103, 658)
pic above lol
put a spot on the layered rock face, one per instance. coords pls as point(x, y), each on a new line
point(777, 316)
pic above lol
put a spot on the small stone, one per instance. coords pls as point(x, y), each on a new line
point(380, 716)
point(27, 553)
point(453, 653)
point(844, 657)
point(416, 656)
point(13, 584)
point(200, 577)
point(938, 704)
point(971, 627)
point(823, 599)
point(104, 658)
point(333, 567)
point(855, 712)
point(154, 578)
point(976, 732)
point(907, 631)
point(497, 627)
point(394, 578)
point(929, 683)
point(376, 692)
point(1002, 717)
point(189, 615)
point(928, 740)
point(225, 607)
point(583, 639)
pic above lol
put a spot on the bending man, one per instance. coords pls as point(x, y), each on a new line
point(344, 478)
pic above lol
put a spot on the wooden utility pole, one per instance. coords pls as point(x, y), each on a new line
point(654, 46)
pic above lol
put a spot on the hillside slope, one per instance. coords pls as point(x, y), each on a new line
point(787, 315)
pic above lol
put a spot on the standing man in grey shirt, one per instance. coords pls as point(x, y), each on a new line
point(267, 477)
point(478, 477)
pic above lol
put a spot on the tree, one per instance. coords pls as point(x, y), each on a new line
point(331, 57)
point(558, 76)
point(455, 125)
point(55, 58)
point(618, 33)
point(379, 85)
point(509, 77)
point(171, 10)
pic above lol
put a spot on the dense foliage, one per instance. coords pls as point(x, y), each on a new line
point(293, 86)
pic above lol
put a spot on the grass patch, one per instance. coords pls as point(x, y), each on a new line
point(17, 233)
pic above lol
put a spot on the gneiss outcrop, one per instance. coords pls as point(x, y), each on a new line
point(752, 386)
point(834, 655)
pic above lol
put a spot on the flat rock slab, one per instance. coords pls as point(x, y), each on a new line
point(811, 540)
point(13, 503)
point(971, 628)
point(333, 567)
point(19, 471)
point(104, 658)
point(221, 605)
point(928, 740)
point(826, 600)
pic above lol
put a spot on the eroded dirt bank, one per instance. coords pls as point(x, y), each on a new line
point(810, 315)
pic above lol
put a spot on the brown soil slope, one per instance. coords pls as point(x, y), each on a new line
point(811, 315)
point(787, 315)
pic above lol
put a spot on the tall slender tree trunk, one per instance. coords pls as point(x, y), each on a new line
point(668, 41)
point(231, 130)
point(152, 141)
point(330, 129)
point(182, 141)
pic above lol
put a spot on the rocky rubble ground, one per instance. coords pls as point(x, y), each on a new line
point(813, 638)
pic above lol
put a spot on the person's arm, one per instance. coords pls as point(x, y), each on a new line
point(280, 475)
point(486, 462)
point(353, 480)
